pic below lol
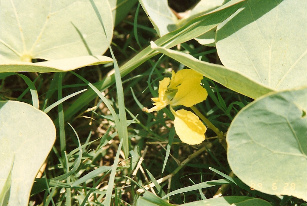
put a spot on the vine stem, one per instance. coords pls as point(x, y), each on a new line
point(222, 140)
point(168, 177)
point(220, 134)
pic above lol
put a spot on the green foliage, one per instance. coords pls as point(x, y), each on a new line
point(221, 74)
point(188, 31)
point(269, 43)
point(26, 138)
point(110, 152)
point(267, 146)
point(57, 32)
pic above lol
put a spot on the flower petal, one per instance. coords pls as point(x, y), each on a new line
point(161, 101)
point(190, 92)
point(188, 127)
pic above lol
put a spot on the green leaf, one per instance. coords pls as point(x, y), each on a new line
point(266, 41)
point(190, 30)
point(59, 65)
point(122, 126)
point(197, 187)
point(150, 199)
point(165, 21)
point(160, 15)
point(229, 78)
point(207, 39)
point(204, 6)
point(267, 144)
point(120, 9)
point(51, 31)
point(92, 174)
point(230, 200)
point(5, 186)
point(107, 201)
point(26, 137)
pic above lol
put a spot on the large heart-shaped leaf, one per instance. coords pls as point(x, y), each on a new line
point(26, 137)
point(267, 42)
point(267, 144)
point(50, 30)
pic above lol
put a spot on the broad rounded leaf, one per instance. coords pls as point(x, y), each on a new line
point(267, 144)
point(26, 137)
point(53, 30)
point(266, 41)
point(58, 65)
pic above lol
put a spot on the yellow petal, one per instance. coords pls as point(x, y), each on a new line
point(189, 92)
point(188, 127)
point(161, 101)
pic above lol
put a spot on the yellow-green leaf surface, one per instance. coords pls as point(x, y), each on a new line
point(26, 137)
point(266, 41)
point(59, 65)
point(52, 30)
point(229, 78)
point(267, 144)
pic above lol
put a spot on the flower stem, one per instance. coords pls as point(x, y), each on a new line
point(220, 134)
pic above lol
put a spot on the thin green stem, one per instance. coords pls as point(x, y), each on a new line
point(182, 164)
point(220, 134)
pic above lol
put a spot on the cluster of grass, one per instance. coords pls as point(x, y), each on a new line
point(87, 166)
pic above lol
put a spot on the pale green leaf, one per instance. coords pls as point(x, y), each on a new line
point(197, 187)
point(267, 144)
point(229, 78)
point(59, 65)
point(6, 176)
point(150, 199)
point(187, 32)
point(204, 6)
point(52, 30)
point(266, 41)
point(229, 201)
point(26, 137)
point(207, 39)
point(160, 15)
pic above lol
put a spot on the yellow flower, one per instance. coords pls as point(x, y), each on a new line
point(183, 89)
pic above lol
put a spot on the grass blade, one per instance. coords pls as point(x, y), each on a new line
point(33, 90)
point(122, 127)
point(107, 201)
point(62, 100)
point(76, 163)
